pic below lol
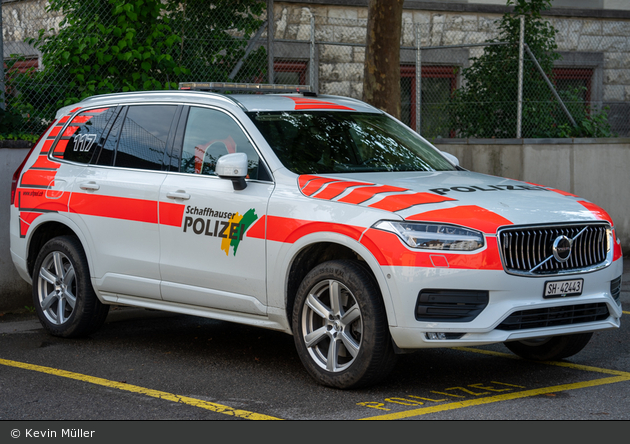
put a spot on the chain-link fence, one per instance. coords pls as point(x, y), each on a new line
point(463, 82)
point(60, 51)
point(470, 80)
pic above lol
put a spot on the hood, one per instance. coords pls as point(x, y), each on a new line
point(464, 198)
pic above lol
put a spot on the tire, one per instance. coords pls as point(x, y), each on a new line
point(63, 296)
point(550, 348)
point(340, 327)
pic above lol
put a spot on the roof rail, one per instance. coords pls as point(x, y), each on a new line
point(245, 87)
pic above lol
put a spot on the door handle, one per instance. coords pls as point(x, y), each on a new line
point(89, 186)
point(179, 194)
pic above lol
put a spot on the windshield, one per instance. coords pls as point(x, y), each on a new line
point(334, 142)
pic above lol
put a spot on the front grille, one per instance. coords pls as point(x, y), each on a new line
point(529, 251)
point(615, 288)
point(554, 316)
point(450, 305)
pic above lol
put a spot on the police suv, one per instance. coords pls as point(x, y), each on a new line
point(319, 216)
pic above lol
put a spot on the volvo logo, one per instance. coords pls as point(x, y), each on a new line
point(562, 248)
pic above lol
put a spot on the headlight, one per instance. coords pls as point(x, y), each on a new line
point(434, 236)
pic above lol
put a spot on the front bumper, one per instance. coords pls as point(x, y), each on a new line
point(508, 294)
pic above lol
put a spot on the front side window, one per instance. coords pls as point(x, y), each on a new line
point(211, 134)
point(321, 142)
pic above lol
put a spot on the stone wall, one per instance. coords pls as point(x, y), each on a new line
point(22, 19)
point(15, 293)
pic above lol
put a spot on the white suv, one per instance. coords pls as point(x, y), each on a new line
point(318, 216)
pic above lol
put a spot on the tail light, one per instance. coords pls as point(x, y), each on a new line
point(18, 172)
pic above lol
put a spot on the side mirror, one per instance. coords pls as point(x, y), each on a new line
point(234, 167)
point(453, 159)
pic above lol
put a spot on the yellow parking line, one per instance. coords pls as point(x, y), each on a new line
point(498, 398)
point(626, 312)
point(620, 377)
point(217, 408)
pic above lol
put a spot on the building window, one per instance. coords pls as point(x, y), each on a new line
point(574, 85)
point(24, 65)
point(438, 84)
point(289, 72)
point(286, 72)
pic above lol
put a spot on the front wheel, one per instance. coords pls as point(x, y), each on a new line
point(340, 326)
point(550, 348)
point(62, 292)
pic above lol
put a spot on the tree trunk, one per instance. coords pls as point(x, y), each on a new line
point(381, 81)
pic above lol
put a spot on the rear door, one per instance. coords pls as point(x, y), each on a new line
point(207, 257)
point(115, 200)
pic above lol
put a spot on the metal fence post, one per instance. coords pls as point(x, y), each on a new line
point(250, 46)
point(550, 85)
point(1, 67)
point(418, 79)
point(270, 35)
point(311, 61)
point(519, 108)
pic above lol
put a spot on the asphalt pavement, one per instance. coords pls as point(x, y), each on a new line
point(149, 365)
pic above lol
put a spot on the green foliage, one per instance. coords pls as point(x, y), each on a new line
point(18, 113)
point(18, 136)
point(109, 46)
point(212, 39)
point(9, 122)
point(590, 122)
point(486, 105)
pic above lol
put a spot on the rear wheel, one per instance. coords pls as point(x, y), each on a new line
point(62, 292)
point(340, 327)
point(551, 348)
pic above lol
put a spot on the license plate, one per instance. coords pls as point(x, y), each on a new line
point(560, 289)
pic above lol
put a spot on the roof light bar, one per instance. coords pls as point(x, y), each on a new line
point(248, 87)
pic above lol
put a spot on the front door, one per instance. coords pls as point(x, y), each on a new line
point(207, 257)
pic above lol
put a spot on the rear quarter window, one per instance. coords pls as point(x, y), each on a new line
point(84, 135)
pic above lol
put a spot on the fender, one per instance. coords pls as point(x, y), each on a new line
point(286, 253)
point(86, 241)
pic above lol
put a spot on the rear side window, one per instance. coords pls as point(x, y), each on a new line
point(143, 137)
point(106, 154)
point(84, 135)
